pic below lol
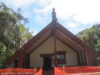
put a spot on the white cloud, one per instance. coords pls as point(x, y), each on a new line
point(77, 12)
point(27, 14)
point(72, 25)
point(18, 3)
point(44, 10)
point(39, 19)
point(84, 11)
point(42, 3)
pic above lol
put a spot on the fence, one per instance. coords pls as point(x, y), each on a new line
point(85, 70)
point(18, 71)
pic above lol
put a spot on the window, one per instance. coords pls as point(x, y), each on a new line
point(61, 59)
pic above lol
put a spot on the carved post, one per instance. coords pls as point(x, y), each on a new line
point(20, 61)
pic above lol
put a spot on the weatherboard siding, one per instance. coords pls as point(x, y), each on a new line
point(48, 47)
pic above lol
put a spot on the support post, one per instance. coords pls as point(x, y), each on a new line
point(54, 22)
point(55, 51)
point(20, 61)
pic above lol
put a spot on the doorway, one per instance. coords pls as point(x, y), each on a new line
point(47, 63)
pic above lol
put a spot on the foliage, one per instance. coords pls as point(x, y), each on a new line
point(92, 37)
point(13, 33)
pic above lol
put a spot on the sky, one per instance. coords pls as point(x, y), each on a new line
point(75, 15)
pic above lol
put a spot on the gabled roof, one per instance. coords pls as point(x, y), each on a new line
point(56, 29)
point(61, 33)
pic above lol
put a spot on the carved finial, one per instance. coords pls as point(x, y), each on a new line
point(54, 15)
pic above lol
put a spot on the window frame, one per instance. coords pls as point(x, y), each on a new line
point(61, 61)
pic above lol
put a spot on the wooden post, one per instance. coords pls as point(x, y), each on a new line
point(55, 42)
point(54, 22)
point(63, 70)
point(84, 56)
point(55, 51)
point(20, 61)
point(35, 71)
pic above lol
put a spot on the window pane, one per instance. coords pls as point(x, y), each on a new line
point(58, 56)
point(61, 56)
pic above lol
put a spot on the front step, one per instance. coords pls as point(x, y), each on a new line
point(48, 72)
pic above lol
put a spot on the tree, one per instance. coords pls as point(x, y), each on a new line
point(92, 37)
point(22, 35)
point(97, 46)
point(13, 33)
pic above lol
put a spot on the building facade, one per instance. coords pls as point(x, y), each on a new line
point(53, 46)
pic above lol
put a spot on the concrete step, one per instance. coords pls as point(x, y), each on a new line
point(51, 72)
